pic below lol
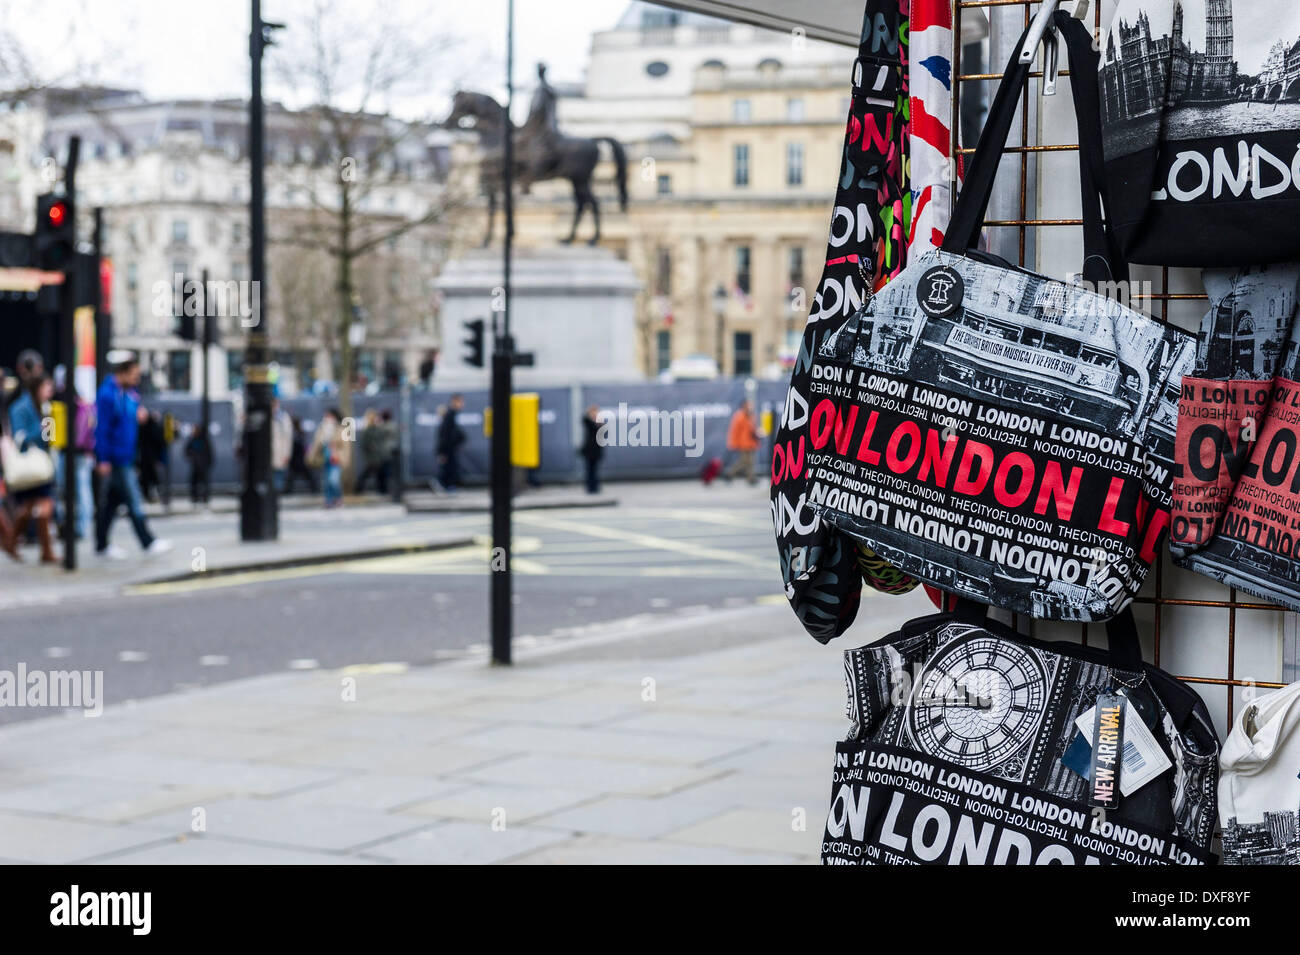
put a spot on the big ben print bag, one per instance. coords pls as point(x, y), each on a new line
point(970, 744)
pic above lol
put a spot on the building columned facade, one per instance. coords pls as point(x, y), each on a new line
point(734, 137)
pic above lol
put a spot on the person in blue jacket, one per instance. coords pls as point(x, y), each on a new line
point(117, 405)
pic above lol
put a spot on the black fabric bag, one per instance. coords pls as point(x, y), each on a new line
point(1201, 104)
point(823, 570)
point(958, 731)
point(997, 433)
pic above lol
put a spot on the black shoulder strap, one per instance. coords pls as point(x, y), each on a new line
point(1100, 260)
point(1121, 632)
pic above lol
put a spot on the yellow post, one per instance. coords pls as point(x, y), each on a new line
point(59, 419)
point(526, 430)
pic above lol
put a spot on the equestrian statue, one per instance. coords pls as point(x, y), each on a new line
point(541, 152)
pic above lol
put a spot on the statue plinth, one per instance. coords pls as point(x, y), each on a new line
point(574, 307)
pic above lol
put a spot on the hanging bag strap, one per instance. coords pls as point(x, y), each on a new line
point(1121, 632)
point(1101, 262)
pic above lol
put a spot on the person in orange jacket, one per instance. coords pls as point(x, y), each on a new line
point(742, 438)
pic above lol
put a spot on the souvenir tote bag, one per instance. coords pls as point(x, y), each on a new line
point(1236, 491)
point(823, 570)
point(1000, 434)
point(1259, 789)
point(1201, 103)
point(972, 745)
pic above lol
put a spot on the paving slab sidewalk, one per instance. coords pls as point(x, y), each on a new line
point(708, 740)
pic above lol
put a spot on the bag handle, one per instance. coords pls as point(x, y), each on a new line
point(1121, 632)
point(1101, 261)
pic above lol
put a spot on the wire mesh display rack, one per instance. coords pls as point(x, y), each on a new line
point(1158, 600)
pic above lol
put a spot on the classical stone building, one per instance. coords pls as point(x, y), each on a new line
point(734, 137)
point(172, 178)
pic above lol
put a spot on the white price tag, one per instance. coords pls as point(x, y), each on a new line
point(1143, 758)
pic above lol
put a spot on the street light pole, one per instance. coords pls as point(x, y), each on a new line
point(502, 368)
point(258, 508)
point(205, 343)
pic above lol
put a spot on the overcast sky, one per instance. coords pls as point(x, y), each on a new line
point(198, 48)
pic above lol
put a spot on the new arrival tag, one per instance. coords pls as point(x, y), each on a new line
point(1143, 759)
point(1107, 747)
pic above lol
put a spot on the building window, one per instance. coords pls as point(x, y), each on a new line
point(742, 353)
point(178, 370)
point(743, 260)
point(664, 185)
point(663, 350)
point(663, 271)
point(741, 166)
point(796, 266)
point(657, 69)
point(180, 231)
point(794, 109)
point(235, 370)
point(742, 111)
point(794, 164)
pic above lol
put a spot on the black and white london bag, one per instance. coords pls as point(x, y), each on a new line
point(1201, 104)
point(999, 434)
point(972, 745)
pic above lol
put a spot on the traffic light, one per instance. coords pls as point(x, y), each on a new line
point(477, 329)
point(53, 242)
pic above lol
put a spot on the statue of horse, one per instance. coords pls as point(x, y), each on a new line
point(539, 154)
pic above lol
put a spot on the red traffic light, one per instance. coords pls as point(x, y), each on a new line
point(57, 212)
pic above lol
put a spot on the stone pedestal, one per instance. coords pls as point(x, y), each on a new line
point(573, 307)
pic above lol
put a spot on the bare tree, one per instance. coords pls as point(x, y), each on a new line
point(348, 67)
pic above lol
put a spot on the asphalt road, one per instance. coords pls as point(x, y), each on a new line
point(576, 571)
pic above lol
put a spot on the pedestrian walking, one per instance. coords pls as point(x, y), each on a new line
point(742, 439)
point(298, 467)
point(151, 452)
point(116, 433)
point(83, 438)
point(281, 445)
point(450, 438)
point(330, 452)
point(591, 450)
point(33, 504)
point(199, 454)
point(8, 536)
point(375, 453)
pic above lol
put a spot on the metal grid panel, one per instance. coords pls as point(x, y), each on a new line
point(1155, 594)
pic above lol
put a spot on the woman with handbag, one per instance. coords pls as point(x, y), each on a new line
point(34, 502)
point(329, 452)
